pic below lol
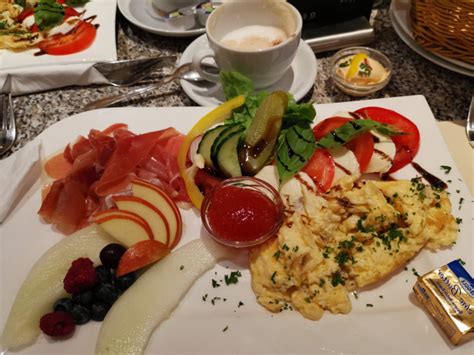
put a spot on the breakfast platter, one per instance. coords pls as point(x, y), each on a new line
point(221, 319)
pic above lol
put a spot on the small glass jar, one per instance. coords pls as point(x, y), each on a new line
point(263, 229)
point(354, 88)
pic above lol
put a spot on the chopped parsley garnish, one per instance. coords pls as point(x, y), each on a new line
point(273, 277)
point(240, 304)
point(462, 262)
point(458, 220)
point(347, 244)
point(364, 68)
point(362, 228)
point(232, 278)
point(322, 282)
point(369, 305)
point(225, 329)
point(393, 233)
point(337, 279)
point(277, 255)
point(204, 298)
point(345, 63)
point(380, 296)
point(342, 257)
point(285, 247)
point(461, 200)
point(415, 272)
point(181, 267)
point(327, 251)
point(295, 249)
point(213, 301)
point(446, 168)
point(215, 284)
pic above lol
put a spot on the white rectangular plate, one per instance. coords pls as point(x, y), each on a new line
point(394, 325)
point(102, 49)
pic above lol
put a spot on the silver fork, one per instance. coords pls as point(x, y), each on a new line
point(470, 123)
point(7, 118)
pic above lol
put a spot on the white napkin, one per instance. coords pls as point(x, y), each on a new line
point(18, 173)
point(40, 78)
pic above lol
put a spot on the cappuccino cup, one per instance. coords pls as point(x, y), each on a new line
point(259, 39)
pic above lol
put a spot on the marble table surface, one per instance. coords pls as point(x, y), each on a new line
point(448, 93)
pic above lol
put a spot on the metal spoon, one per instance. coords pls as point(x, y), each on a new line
point(183, 72)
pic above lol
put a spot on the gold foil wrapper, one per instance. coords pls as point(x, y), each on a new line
point(448, 295)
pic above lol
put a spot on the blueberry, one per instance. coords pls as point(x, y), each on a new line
point(125, 281)
point(84, 298)
point(63, 305)
point(103, 274)
point(81, 314)
point(99, 310)
point(110, 255)
point(106, 293)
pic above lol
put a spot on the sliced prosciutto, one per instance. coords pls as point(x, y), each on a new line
point(103, 164)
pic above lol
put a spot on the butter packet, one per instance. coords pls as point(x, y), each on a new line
point(448, 295)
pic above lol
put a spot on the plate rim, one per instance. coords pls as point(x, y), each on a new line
point(122, 5)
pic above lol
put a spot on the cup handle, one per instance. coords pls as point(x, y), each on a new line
point(197, 64)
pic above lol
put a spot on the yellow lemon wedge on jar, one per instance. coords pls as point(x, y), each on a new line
point(354, 68)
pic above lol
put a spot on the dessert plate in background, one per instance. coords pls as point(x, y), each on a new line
point(400, 18)
point(298, 80)
point(137, 12)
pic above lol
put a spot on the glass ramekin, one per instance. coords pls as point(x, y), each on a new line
point(354, 89)
point(245, 183)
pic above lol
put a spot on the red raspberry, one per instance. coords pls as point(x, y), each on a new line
point(81, 276)
point(57, 324)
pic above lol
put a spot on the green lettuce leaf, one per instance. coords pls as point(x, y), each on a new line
point(235, 84)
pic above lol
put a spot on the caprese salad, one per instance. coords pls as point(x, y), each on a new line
point(55, 27)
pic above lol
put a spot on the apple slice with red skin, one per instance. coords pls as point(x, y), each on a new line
point(127, 228)
point(160, 199)
point(153, 216)
point(116, 212)
point(141, 254)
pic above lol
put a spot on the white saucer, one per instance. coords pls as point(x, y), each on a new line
point(298, 80)
point(136, 12)
point(400, 18)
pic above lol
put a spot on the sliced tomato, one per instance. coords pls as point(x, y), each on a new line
point(25, 14)
point(77, 40)
point(362, 146)
point(321, 169)
point(407, 145)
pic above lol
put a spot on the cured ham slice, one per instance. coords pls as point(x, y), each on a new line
point(103, 164)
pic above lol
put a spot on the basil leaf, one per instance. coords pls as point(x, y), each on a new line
point(296, 146)
point(3, 25)
point(351, 130)
point(22, 3)
point(48, 13)
point(74, 3)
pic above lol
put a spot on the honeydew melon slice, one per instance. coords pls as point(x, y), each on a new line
point(134, 316)
point(44, 285)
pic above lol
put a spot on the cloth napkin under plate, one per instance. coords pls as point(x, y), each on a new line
point(17, 174)
point(41, 78)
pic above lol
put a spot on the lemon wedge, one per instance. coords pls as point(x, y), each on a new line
point(354, 68)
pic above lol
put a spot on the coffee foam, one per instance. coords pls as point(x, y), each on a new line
point(254, 38)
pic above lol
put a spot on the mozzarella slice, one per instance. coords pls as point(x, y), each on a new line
point(270, 174)
point(346, 163)
point(384, 152)
point(65, 27)
point(29, 21)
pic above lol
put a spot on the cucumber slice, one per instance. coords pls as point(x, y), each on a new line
point(207, 140)
point(227, 156)
point(221, 138)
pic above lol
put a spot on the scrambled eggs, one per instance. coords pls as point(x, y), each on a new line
point(353, 236)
